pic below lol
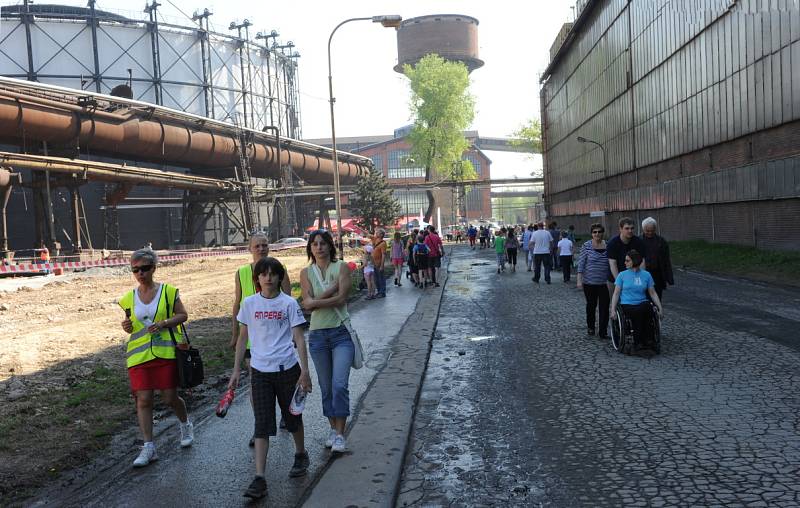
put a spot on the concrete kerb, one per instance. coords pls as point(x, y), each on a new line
point(380, 433)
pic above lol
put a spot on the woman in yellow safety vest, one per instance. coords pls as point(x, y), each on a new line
point(245, 286)
point(154, 313)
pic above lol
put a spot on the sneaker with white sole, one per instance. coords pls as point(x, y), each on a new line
point(339, 445)
point(146, 456)
point(187, 434)
point(331, 437)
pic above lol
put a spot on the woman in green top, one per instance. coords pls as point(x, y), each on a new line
point(500, 250)
point(325, 285)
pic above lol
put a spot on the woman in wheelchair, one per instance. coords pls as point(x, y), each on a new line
point(630, 291)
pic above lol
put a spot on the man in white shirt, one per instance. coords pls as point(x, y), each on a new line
point(541, 243)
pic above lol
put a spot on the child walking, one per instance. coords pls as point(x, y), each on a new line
point(397, 257)
point(421, 260)
point(369, 272)
point(273, 321)
point(500, 250)
point(565, 252)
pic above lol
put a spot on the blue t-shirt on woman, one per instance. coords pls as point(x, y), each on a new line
point(634, 286)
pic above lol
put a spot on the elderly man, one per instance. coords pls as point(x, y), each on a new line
point(378, 258)
point(656, 256)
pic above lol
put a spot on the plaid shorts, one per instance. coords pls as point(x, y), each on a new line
point(268, 386)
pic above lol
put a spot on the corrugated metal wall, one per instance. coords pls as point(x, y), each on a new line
point(695, 102)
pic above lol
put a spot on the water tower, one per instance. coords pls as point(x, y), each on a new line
point(454, 37)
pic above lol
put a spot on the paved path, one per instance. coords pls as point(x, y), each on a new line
point(519, 407)
point(216, 470)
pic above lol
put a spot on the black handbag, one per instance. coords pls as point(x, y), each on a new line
point(190, 365)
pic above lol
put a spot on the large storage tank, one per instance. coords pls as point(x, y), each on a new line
point(452, 36)
point(238, 77)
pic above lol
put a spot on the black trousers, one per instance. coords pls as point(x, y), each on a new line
point(566, 266)
point(539, 260)
point(640, 320)
point(512, 256)
point(597, 293)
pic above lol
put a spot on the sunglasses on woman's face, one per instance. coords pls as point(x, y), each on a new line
point(143, 268)
point(597, 232)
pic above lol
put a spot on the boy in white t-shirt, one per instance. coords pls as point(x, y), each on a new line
point(565, 250)
point(273, 321)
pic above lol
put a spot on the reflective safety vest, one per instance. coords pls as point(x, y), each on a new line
point(246, 282)
point(143, 346)
point(248, 286)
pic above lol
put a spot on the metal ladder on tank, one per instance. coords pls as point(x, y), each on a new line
point(245, 176)
point(288, 196)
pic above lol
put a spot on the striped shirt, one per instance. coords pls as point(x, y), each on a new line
point(593, 265)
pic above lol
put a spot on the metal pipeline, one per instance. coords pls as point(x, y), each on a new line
point(114, 173)
point(152, 133)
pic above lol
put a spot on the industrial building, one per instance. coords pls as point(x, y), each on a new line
point(685, 111)
point(117, 132)
point(392, 155)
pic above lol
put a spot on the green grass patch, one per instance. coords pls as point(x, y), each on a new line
point(737, 260)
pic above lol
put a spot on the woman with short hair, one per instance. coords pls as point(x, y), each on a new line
point(154, 317)
point(325, 286)
point(593, 276)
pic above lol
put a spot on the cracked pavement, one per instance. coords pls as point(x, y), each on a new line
point(520, 407)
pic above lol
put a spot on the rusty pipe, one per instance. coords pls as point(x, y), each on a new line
point(161, 135)
point(116, 173)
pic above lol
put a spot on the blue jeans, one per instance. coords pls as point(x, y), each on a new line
point(380, 281)
point(538, 261)
point(332, 352)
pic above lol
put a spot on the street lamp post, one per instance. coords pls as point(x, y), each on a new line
point(581, 139)
point(390, 21)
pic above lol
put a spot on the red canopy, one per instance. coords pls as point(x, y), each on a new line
point(348, 225)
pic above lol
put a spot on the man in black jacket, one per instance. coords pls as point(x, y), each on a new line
point(656, 256)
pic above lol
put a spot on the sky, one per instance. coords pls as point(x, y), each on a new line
point(371, 98)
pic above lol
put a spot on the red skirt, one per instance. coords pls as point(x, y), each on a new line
point(158, 374)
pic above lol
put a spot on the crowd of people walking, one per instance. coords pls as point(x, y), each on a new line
point(267, 325)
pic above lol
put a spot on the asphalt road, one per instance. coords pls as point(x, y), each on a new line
point(519, 407)
point(219, 466)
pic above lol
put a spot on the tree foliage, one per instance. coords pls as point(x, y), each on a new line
point(373, 203)
point(442, 108)
point(529, 136)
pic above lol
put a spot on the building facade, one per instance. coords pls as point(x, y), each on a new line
point(687, 111)
point(393, 157)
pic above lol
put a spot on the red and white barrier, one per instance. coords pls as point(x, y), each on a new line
point(105, 263)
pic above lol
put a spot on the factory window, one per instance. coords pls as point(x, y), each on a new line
point(411, 202)
point(377, 160)
point(476, 162)
point(400, 165)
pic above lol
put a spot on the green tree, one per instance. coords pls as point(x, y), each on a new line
point(528, 137)
point(442, 108)
point(373, 203)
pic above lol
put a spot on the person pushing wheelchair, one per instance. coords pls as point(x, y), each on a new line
point(631, 289)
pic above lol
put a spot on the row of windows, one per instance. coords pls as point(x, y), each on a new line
point(411, 202)
point(407, 173)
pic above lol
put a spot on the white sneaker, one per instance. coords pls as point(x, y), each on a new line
point(339, 445)
point(187, 434)
point(146, 456)
point(331, 437)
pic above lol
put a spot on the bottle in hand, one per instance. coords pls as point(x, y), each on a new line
point(298, 401)
point(225, 403)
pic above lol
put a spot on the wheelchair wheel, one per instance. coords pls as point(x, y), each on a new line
point(655, 327)
point(618, 332)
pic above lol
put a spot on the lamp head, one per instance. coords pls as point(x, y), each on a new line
point(388, 21)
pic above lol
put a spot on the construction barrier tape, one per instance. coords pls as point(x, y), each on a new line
point(106, 263)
